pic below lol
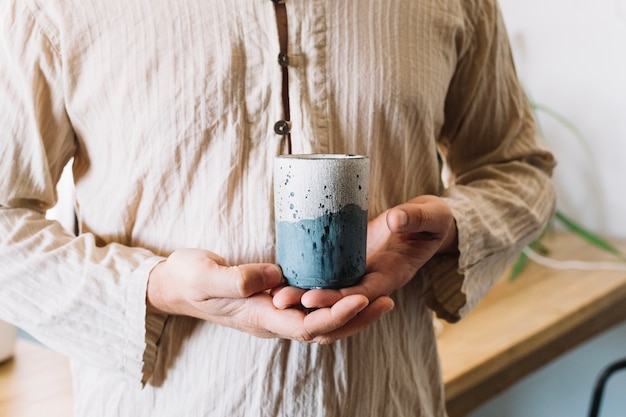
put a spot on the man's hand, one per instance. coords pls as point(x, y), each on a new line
point(399, 242)
point(200, 284)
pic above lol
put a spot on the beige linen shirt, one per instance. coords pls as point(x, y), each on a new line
point(168, 108)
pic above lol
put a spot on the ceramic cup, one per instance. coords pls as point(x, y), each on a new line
point(8, 335)
point(320, 204)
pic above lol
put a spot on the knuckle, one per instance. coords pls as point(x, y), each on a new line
point(423, 219)
point(241, 288)
point(304, 336)
point(255, 323)
point(326, 340)
point(242, 282)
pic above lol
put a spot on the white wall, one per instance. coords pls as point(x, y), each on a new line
point(571, 56)
point(63, 212)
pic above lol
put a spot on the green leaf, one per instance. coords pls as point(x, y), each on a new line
point(588, 235)
point(518, 266)
point(539, 247)
point(569, 224)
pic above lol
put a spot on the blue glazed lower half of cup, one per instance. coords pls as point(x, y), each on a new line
point(326, 252)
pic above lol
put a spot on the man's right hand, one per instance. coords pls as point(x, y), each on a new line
point(201, 284)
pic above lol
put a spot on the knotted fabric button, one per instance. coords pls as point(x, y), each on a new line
point(283, 59)
point(282, 127)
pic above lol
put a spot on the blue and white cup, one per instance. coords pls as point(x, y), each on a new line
point(320, 204)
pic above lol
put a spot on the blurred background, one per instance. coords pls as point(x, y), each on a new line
point(571, 57)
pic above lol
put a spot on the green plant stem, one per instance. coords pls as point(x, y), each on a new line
point(589, 236)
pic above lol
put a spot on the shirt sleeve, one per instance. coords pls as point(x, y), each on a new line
point(82, 299)
point(499, 184)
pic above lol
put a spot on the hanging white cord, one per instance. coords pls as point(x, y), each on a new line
point(573, 264)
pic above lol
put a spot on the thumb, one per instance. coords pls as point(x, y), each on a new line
point(244, 280)
point(424, 214)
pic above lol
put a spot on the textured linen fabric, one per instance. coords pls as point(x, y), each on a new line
point(167, 109)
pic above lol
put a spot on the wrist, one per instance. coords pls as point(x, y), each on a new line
point(450, 244)
point(155, 302)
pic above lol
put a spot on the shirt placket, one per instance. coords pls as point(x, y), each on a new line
point(282, 127)
point(305, 128)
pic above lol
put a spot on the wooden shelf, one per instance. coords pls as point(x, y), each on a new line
point(522, 325)
point(36, 382)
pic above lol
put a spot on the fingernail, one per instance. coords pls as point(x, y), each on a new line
point(273, 275)
point(402, 218)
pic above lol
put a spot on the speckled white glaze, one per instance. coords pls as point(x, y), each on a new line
point(321, 218)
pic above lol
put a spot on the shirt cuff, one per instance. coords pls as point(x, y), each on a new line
point(144, 330)
point(442, 289)
point(454, 284)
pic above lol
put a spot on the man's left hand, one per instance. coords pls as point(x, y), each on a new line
point(399, 242)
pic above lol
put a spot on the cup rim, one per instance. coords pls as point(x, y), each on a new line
point(322, 156)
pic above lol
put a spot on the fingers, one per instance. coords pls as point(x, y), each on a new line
point(285, 297)
point(372, 286)
point(253, 298)
point(326, 320)
point(336, 313)
point(347, 317)
point(408, 218)
point(424, 214)
point(244, 280)
point(207, 275)
point(321, 298)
